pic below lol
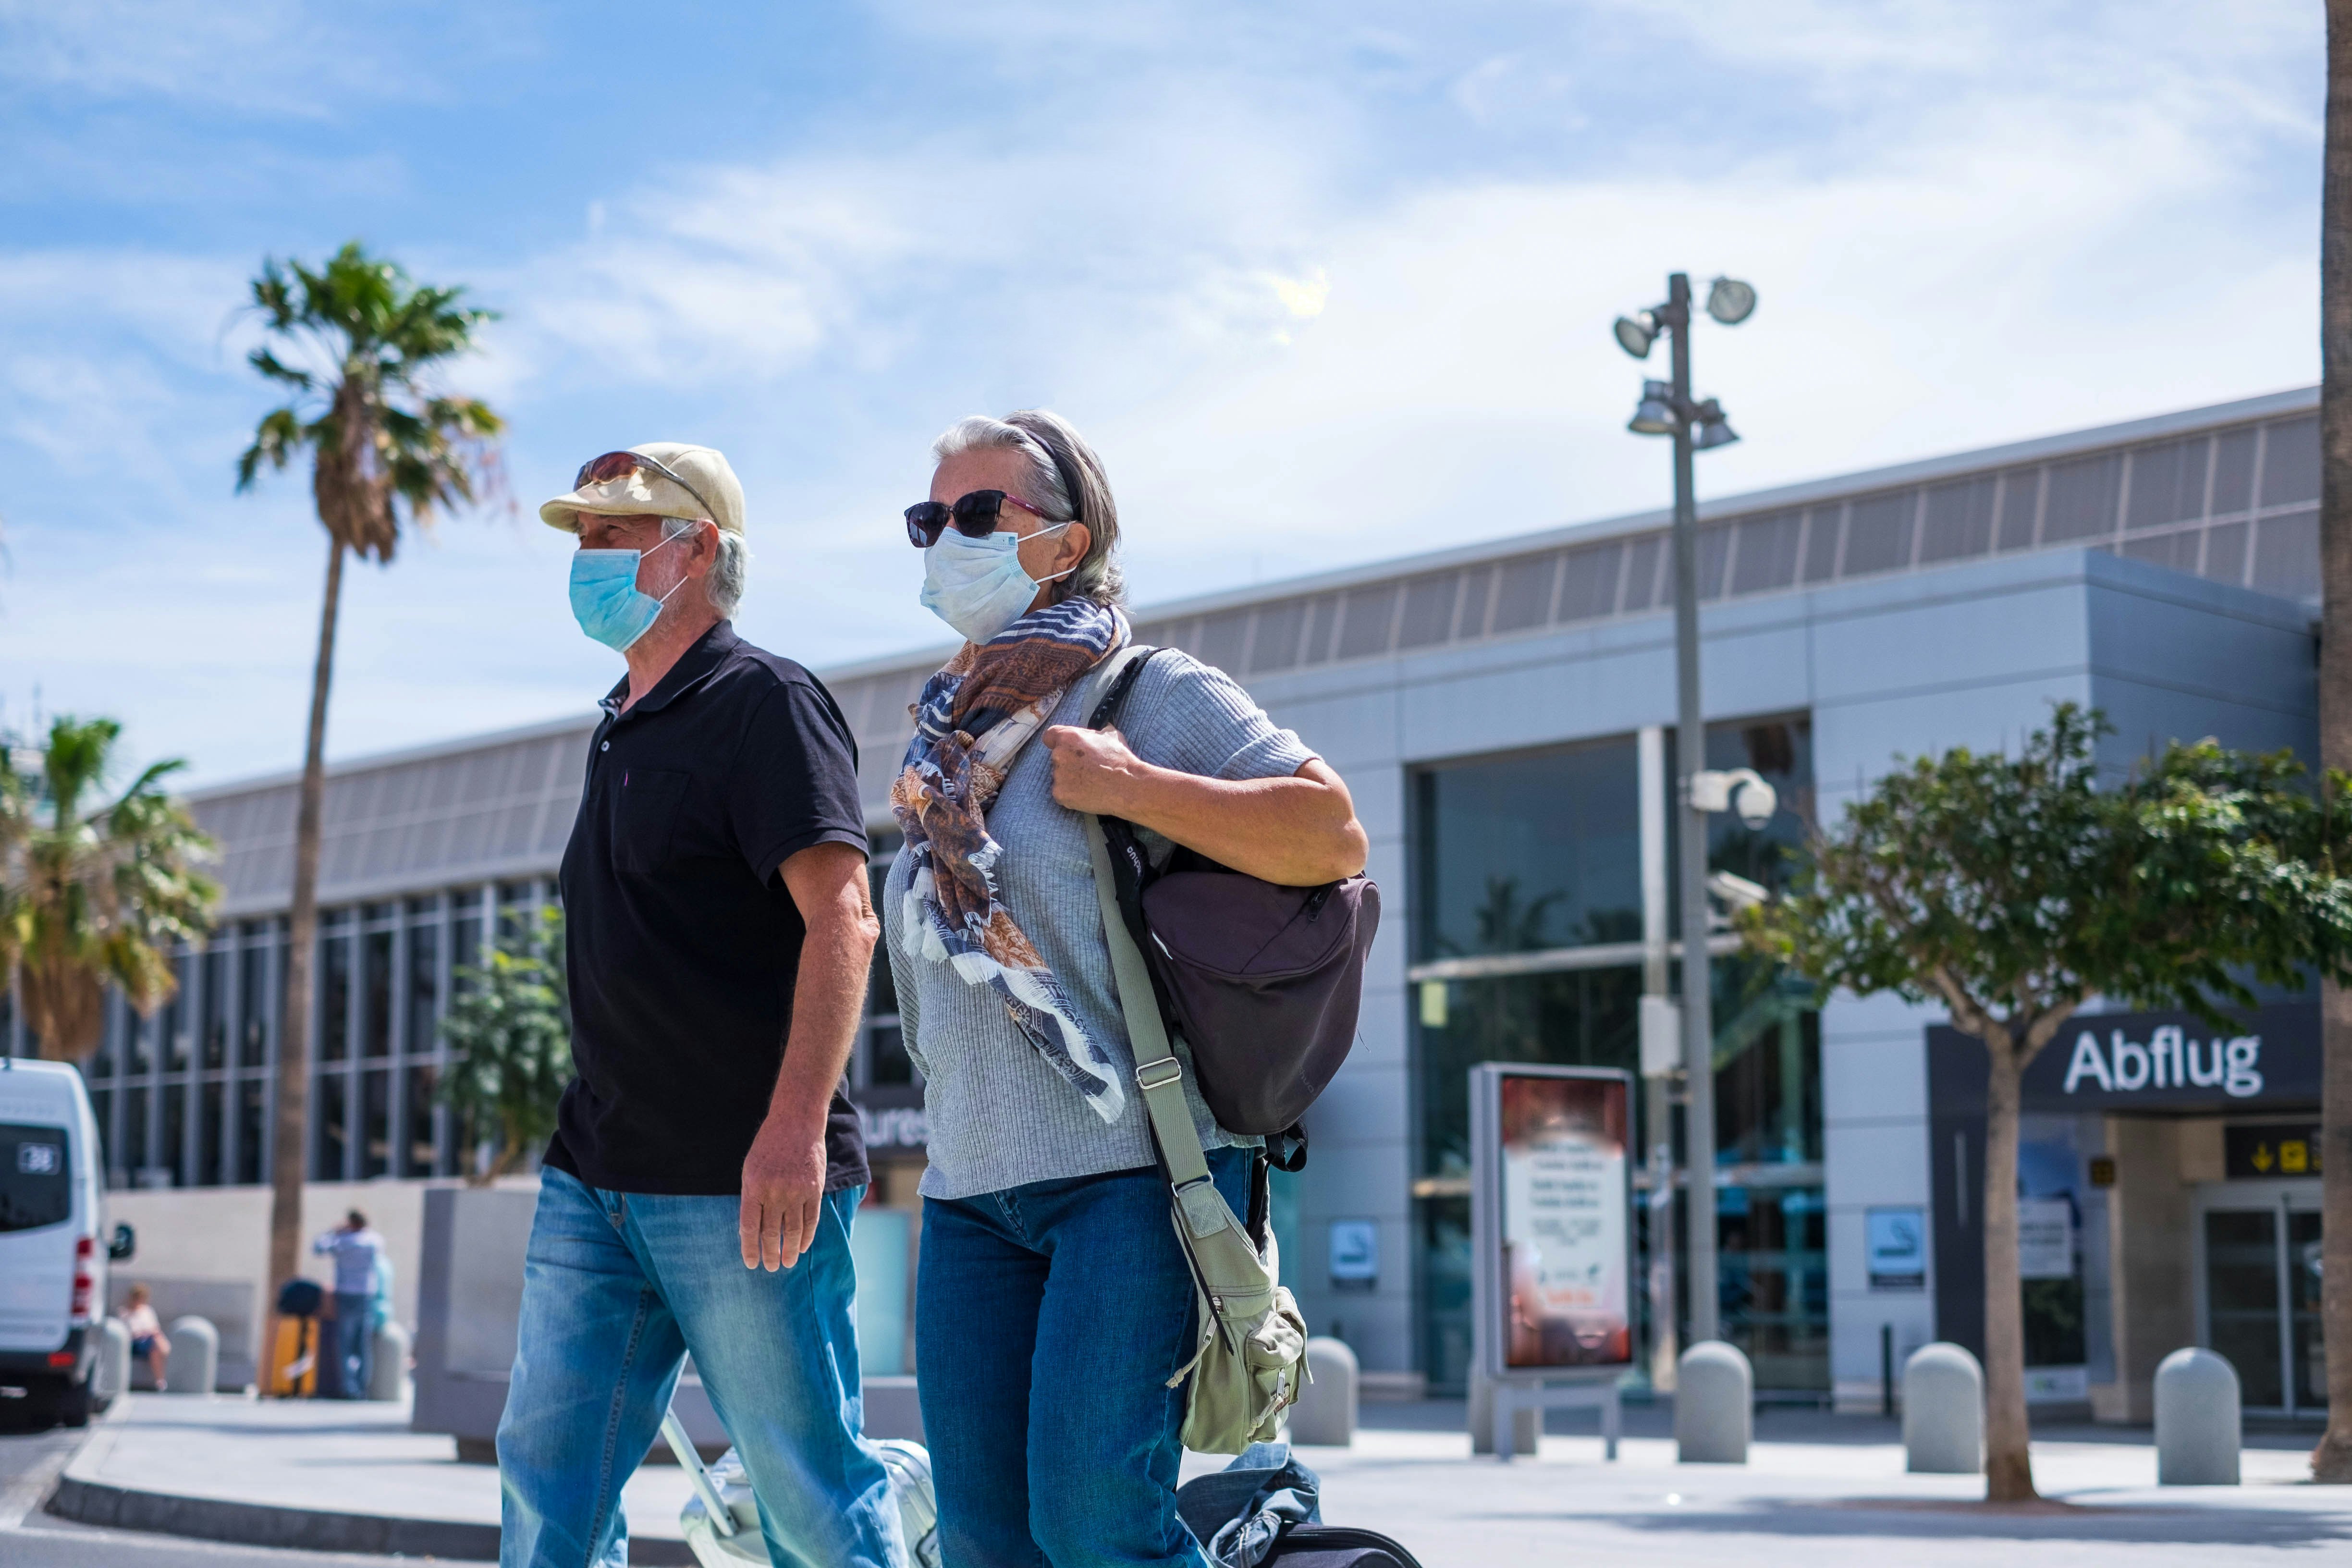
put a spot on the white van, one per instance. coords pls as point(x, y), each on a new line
point(52, 1257)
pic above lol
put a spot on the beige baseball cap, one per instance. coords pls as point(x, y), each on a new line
point(699, 484)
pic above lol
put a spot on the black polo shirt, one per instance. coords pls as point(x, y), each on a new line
point(680, 938)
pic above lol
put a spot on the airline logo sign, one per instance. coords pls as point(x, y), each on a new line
point(2167, 1058)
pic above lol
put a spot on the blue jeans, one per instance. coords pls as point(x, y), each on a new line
point(617, 1288)
point(1048, 1319)
point(354, 1342)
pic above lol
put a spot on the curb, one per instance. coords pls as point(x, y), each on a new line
point(80, 1497)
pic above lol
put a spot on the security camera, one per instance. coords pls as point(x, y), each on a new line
point(1740, 790)
point(1737, 892)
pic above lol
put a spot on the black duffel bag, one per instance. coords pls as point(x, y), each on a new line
point(1265, 1511)
point(1262, 980)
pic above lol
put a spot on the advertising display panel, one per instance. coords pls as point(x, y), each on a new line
point(1551, 1217)
point(1566, 1221)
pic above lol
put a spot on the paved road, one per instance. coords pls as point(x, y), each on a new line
point(29, 1462)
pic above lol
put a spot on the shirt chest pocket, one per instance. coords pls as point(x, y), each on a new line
point(646, 813)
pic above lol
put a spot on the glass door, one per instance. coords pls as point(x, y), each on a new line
point(2259, 1290)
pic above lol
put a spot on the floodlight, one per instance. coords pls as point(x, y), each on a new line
point(1636, 332)
point(1730, 301)
point(1742, 791)
point(1714, 426)
point(1655, 413)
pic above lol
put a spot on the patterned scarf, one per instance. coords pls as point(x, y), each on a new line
point(971, 720)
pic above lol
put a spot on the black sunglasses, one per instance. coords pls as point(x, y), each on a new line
point(974, 516)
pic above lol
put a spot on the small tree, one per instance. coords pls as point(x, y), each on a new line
point(513, 1024)
point(94, 891)
point(2013, 890)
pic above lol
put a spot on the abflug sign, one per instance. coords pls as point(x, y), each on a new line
point(2150, 1061)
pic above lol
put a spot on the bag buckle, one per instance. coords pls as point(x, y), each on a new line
point(1160, 1073)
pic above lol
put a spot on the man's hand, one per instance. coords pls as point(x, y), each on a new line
point(1093, 770)
point(783, 1189)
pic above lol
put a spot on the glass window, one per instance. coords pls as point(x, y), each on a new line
point(215, 1002)
point(1959, 522)
point(2291, 462)
point(1588, 584)
point(1364, 627)
point(330, 1114)
point(1767, 1065)
point(179, 1018)
point(1517, 854)
point(101, 1106)
point(1878, 535)
point(1577, 1018)
point(375, 1123)
point(1714, 554)
point(1780, 751)
point(886, 1061)
point(2020, 505)
point(1825, 525)
point(1645, 565)
point(1524, 597)
point(2168, 483)
point(174, 1148)
point(1772, 1279)
point(424, 985)
point(2233, 472)
point(334, 996)
point(2083, 494)
point(465, 935)
point(100, 1065)
point(212, 1119)
point(2241, 1302)
point(1767, 552)
point(416, 1148)
point(375, 1003)
point(252, 991)
point(35, 1185)
point(134, 1155)
point(252, 1129)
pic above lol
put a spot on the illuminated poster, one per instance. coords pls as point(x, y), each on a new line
point(1565, 1207)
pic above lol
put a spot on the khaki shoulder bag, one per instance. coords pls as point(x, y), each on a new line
point(1252, 1355)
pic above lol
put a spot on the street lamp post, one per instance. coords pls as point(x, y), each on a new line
point(1667, 409)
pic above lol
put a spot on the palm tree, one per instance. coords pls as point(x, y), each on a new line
point(96, 893)
point(2332, 1459)
point(386, 448)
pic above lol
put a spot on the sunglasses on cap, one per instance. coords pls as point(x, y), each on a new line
point(975, 516)
point(614, 466)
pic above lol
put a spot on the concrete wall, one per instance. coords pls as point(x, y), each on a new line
point(2149, 1251)
point(223, 1234)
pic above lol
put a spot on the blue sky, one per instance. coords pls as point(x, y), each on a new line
point(1325, 284)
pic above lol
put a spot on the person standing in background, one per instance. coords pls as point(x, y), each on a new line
point(358, 1252)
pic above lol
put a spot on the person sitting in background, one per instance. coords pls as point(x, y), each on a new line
point(147, 1341)
point(344, 1361)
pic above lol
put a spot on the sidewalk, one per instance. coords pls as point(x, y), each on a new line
point(1819, 1491)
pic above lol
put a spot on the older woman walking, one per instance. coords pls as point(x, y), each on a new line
point(1054, 1305)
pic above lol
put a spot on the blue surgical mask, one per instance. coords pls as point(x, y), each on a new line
point(606, 599)
point(977, 585)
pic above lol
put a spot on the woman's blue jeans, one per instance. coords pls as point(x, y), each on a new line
point(1048, 1319)
point(617, 1288)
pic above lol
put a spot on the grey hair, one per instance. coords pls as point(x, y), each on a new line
point(724, 584)
point(1039, 436)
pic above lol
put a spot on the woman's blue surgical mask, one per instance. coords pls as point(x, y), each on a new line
point(606, 599)
point(977, 585)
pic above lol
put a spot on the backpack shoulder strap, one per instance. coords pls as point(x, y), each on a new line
point(1157, 1072)
point(1129, 666)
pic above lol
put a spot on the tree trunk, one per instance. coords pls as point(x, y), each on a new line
point(292, 1126)
point(2331, 1460)
point(2009, 1461)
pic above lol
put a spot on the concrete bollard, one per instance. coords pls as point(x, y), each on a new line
point(1326, 1411)
point(1526, 1423)
point(388, 1364)
point(194, 1365)
point(110, 1379)
point(1943, 1411)
point(2197, 1421)
point(1715, 1405)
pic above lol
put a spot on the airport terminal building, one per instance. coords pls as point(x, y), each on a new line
point(1504, 714)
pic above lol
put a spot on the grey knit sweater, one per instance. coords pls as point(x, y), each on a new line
point(999, 1115)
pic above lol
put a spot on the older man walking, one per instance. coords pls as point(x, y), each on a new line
point(698, 1193)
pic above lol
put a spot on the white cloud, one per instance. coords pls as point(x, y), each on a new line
point(1278, 268)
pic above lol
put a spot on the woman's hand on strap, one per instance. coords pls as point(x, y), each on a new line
point(1299, 831)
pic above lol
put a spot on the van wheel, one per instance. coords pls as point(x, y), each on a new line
point(73, 1403)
